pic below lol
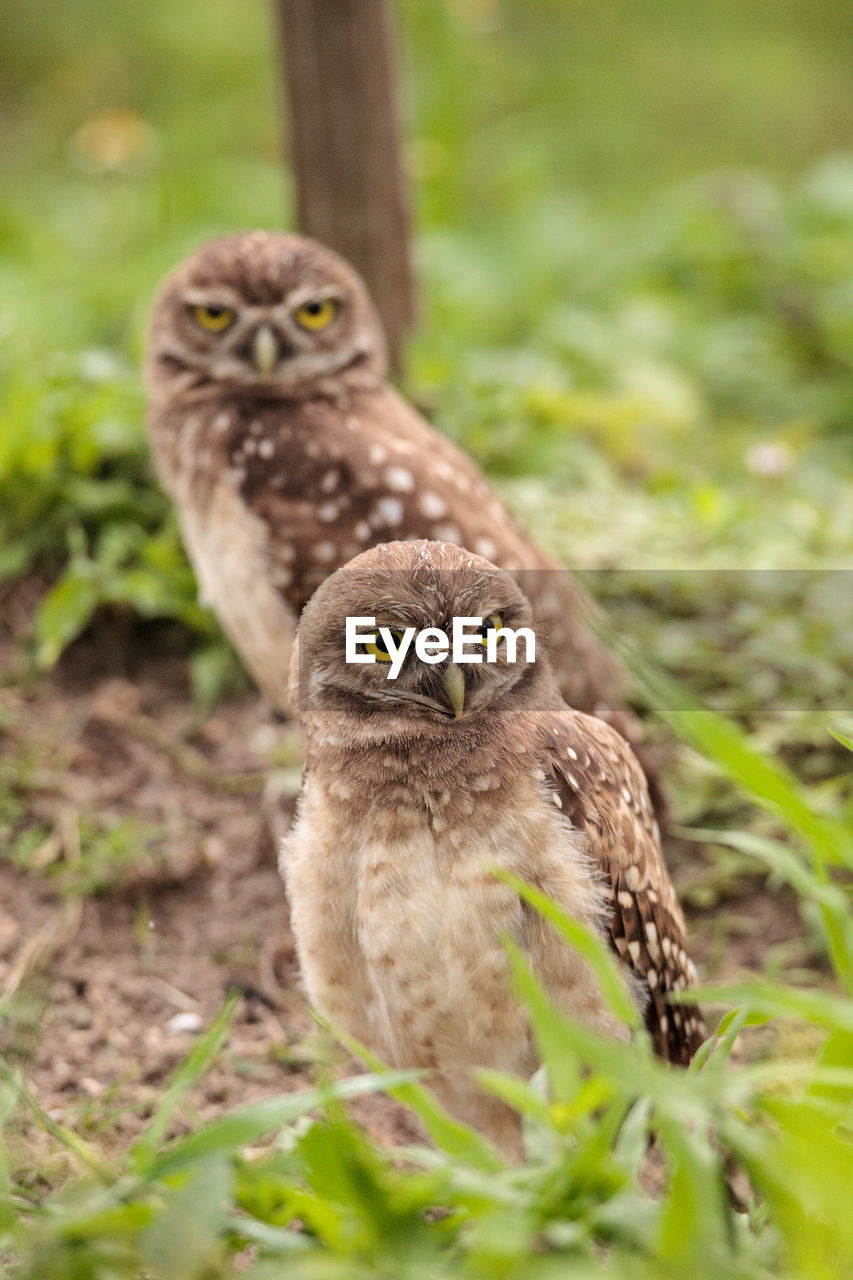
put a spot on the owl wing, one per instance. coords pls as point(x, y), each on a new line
point(326, 482)
point(598, 785)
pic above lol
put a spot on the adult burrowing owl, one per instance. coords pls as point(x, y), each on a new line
point(415, 786)
point(287, 453)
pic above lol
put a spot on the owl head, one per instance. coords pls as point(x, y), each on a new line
point(263, 314)
point(417, 587)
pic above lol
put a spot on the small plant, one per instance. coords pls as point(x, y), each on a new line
point(633, 1169)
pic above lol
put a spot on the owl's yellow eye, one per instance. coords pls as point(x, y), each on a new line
point(492, 623)
point(316, 314)
point(378, 650)
point(213, 319)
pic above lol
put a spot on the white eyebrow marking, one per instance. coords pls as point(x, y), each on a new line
point(313, 293)
point(219, 295)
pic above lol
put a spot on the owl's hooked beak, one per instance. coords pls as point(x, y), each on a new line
point(453, 684)
point(265, 350)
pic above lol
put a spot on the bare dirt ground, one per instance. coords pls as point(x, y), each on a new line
point(112, 986)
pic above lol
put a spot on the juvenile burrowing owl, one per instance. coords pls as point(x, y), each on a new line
point(416, 785)
point(287, 453)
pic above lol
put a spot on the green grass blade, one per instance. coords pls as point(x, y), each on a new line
point(246, 1124)
point(63, 1135)
point(721, 741)
point(182, 1240)
point(770, 1000)
point(457, 1139)
point(597, 954)
point(831, 899)
point(200, 1058)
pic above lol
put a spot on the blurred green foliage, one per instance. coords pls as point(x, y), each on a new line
point(748, 1176)
point(635, 236)
point(654, 361)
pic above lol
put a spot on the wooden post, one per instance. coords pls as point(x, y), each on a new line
point(345, 145)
